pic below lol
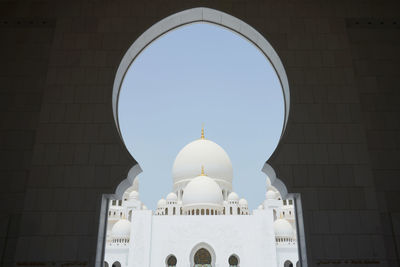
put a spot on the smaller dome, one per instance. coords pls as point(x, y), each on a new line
point(144, 207)
point(260, 207)
point(243, 202)
point(282, 228)
point(202, 190)
point(233, 196)
point(161, 203)
point(270, 194)
point(134, 195)
point(172, 197)
point(122, 228)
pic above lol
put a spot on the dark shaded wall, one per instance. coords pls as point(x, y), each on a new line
point(24, 51)
point(60, 150)
point(375, 46)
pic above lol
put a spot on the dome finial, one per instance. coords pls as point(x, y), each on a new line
point(202, 131)
point(202, 171)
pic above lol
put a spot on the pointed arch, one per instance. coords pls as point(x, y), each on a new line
point(199, 247)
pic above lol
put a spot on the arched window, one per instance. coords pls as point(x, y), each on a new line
point(297, 264)
point(116, 264)
point(197, 212)
point(171, 261)
point(233, 261)
point(173, 211)
point(166, 211)
point(288, 263)
point(238, 210)
point(181, 210)
point(207, 212)
point(202, 258)
point(202, 211)
point(212, 212)
point(105, 264)
point(230, 210)
point(223, 211)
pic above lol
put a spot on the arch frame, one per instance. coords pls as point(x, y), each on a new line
point(199, 246)
point(216, 17)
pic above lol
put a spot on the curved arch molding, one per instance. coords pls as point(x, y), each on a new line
point(193, 15)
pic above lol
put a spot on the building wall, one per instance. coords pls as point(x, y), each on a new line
point(65, 152)
point(250, 237)
point(285, 253)
point(115, 253)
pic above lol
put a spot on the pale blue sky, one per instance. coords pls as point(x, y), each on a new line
point(201, 73)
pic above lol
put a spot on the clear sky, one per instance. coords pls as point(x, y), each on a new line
point(201, 73)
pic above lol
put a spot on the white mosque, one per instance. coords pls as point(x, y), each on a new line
point(202, 223)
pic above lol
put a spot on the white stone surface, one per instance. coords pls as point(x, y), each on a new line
point(251, 238)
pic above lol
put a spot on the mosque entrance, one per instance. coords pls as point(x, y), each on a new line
point(202, 258)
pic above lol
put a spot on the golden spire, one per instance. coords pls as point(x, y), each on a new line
point(202, 131)
point(202, 171)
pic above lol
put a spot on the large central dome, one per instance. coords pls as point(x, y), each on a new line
point(205, 153)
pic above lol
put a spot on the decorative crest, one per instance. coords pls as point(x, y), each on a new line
point(202, 171)
point(202, 131)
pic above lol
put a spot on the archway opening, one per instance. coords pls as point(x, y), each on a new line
point(171, 261)
point(202, 258)
point(233, 261)
point(116, 264)
point(184, 79)
point(189, 17)
point(288, 263)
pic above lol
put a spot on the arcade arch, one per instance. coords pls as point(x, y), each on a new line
point(202, 255)
point(162, 27)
